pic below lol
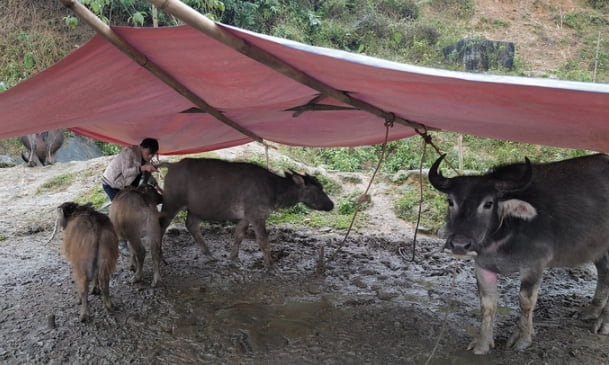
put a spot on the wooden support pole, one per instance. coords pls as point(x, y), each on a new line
point(105, 31)
point(208, 27)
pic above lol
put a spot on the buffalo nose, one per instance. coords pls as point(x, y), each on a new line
point(458, 245)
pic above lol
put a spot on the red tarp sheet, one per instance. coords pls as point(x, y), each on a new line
point(99, 92)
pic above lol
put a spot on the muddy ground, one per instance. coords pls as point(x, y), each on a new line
point(371, 305)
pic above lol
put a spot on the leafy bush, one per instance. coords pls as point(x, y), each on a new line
point(347, 204)
point(399, 9)
point(460, 9)
point(108, 149)
point(433, 206)
point(599, 4)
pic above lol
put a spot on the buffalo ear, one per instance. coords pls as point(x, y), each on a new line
point(298, 179)
point(518, 209)
point(67, 209)
point(64, 212)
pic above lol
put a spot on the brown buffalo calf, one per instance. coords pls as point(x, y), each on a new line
point(136, 219)
point(91, 247)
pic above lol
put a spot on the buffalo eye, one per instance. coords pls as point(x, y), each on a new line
point(488, 205)
point(450, 202)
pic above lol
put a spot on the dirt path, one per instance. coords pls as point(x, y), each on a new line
point(370, 305)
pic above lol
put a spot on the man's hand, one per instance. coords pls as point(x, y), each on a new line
point(148, 168)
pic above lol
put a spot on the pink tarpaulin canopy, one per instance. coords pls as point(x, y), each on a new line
point(98, 91)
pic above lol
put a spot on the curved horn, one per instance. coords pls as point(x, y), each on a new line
point(519, 182)
point(436, 179)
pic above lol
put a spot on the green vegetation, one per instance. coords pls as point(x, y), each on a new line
point(299, 215)
point(478, 154)
point(433, 206)
point(56, 183)
point(95, 196)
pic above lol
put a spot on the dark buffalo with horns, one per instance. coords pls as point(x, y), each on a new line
point(217, 190)
point(525, 217)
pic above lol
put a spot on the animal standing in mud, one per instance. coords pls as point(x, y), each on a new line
point(91, 247)
point(42, 147)
point(136, 219)
point(213, 189)
point(524, 218)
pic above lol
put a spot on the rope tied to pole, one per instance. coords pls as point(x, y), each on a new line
point(364, 197)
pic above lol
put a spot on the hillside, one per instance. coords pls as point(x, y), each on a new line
point(551, 37)
point(542, 44)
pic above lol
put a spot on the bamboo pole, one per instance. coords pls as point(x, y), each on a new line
point(598, 46)
point(208, 27)
point(105, 31)
point(155, 17)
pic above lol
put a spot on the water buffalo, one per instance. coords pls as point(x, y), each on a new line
point(91, 247)
point(524, 218)
point(41, 147)
point(213, 189)
point(135, 218)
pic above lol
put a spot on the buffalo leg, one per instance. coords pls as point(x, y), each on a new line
point(262, 239)
point(487, 289)
point(83, 290)
point(193, 224)
point(601, 294)
point(138, 253)
point(155, 250)
point(600, 297)
point(168, 212)
point(96, 290)
point(240, 231)
point(103, 283)
point(529, 286)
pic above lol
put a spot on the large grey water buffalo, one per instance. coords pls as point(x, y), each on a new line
point(523, 218)
point(42, 147)
point(213, 189)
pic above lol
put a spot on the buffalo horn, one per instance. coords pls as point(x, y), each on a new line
point(519, 183)
point(436, 179)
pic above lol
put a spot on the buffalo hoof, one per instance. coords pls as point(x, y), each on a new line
point(137, 277)
point(590, 312)
point(601, 325)
point(235, 262)
point(109, 306)
point(520, 341)
point(84, 316)
point(481, 346)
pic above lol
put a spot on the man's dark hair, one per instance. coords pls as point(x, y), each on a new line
point(150, 143)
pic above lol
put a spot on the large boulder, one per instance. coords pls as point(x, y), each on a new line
point(78, 148)
point(481, 54)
